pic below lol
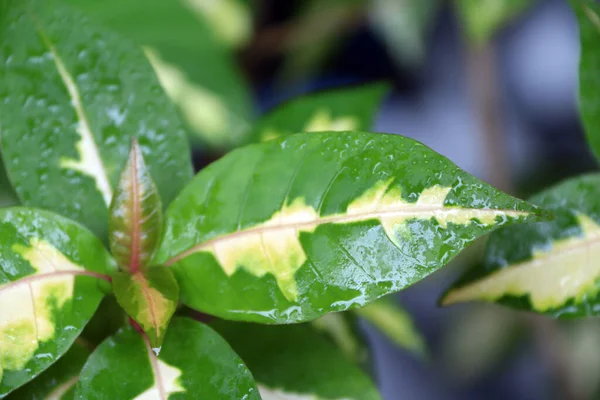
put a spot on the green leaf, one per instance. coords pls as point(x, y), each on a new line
point(394, 322)
point(296, 362)
point(349, 109)
point(150, 298)
point(403, 26)
point(195, 69)
point(52, 274)
point(483, 18)
point(548, 267)
point(57, 382)
point(7, 194)
point(195, 362)
point(294, 228)
point(135, 215)
point(74, 96)
point(341, 328)
point(588, 16)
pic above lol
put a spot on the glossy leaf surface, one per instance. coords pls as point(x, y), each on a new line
point(194, 363)
point(348, 109)
point(389, 318)
point(548, 267)
point(481, 19)
point(588, 16)
point(150, 298)
point(296, 362)
point(195, 69)
point(135, 215)
point(291, 229)
point(51, 283)
point(59, 381)
point(74, 96)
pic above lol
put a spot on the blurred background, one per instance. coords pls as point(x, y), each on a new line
point(490, 84)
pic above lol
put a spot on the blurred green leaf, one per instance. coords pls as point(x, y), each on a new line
point(403, 26)
point(8, 197)
point(345, 109)
point(483, 18)
point(296, 362)
point(588, 16)
point(342, 329)
point(394, 322)
point(194, 67)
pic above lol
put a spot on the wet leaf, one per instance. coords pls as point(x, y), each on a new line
point(588, 16)
point(135, 215)
point(294, 228)
point(57, 382)
point(194, 362)
point(74, 95)
point(52, 278)
point(548, 267)
point(150, 298)
point(195, 68)
point(348, 109)
point(296, 362)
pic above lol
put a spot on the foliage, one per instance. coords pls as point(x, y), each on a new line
point(312, 216)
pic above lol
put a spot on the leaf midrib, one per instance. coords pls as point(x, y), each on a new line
point(405, 210)
point(36, 277)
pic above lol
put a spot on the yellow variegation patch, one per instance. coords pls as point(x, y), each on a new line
point(278, 394)
point(274, 246)
point(568, 269)
point(154, 310)
point(169, 380)
point(27, 305)
point(230, 19)
point(322, 121)
point(89, 162)
point(341, 333)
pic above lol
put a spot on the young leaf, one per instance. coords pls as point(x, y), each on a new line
point(394, 322)
point(74, 96)
point(213, 99)
point(348, 109)
point(296, 362)
point(294, 228)
point(482, 18)
point(57, 382)
point(135, 215)
point(50, 272)
point(150, 298)
point(588, 16)
point(194, 363)
point(548, 267)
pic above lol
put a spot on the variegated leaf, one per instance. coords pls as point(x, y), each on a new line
point(74, 95)
point(150, 298)
point(347, 109)
point(213, 99)
point(394, 322)
point(194, 363)
point(59, 381)
point(588, 16)
point(135, 215)
point(548, 267)
point(296, 362)
point(52, 278)
point(294, 228)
